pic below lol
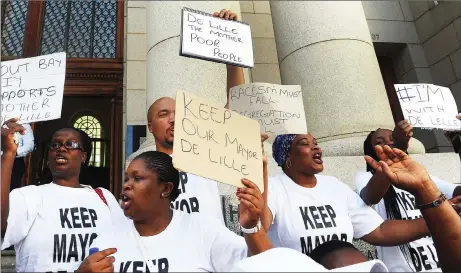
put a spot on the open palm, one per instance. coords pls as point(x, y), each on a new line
point(403, 171)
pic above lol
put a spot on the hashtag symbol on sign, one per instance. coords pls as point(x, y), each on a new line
point(404, 97)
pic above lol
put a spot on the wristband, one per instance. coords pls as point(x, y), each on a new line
point(251, 230)
point(437, 202)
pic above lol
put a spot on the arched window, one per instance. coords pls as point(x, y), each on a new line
point(92, 127)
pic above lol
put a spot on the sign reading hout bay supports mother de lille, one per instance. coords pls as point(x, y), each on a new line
point(428, 106)
point(33, 88)
point(216, 143)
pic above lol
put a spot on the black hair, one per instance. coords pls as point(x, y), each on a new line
point(328, 247)
point(162, 164)
point(391, 199)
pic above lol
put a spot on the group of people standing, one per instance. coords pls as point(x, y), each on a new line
point(68, 226)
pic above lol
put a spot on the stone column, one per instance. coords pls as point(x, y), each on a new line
point(326, 48)
point(168, 72)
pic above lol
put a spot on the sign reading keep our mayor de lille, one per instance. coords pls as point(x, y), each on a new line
point(428, 106)
point(33, 88)
point(216, 143)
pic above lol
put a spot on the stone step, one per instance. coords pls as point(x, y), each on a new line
point(8, 261)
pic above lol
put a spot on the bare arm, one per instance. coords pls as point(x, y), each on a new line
point(9, 149)
point(445, 227)
point(7, 167)
point(442, 221)
point(396, 232)
point(235, 77)
point(258, 242)
point(376, 188)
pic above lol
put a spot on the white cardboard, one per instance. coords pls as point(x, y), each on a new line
point(33, 88)
point(279, 109)
point(428, 106)
point(206, 37)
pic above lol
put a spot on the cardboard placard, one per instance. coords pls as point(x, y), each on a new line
point(33, 88)
point(214, 39)
point(428, 106)
point(216, 143)
point(279, 109)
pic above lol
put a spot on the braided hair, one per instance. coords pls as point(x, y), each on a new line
point(391, 199)
point(162, 165)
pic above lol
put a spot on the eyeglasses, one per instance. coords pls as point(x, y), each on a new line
point(70, 145)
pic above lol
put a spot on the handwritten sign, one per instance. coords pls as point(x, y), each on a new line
point(33, 88)
point(216, 143)
point(206, 37)
point(279, 109)
point(428, 106)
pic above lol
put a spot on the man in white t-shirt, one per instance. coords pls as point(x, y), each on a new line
point(198, 194)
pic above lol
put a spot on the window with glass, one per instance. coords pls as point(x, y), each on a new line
point(14, 17)
point(92, 127)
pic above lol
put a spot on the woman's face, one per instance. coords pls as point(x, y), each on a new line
point(142, 194)
point(305, 155)
point(65, 156)
point(382, 137)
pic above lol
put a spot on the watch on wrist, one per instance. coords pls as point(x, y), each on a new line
point(437, 202)
point(251, 230)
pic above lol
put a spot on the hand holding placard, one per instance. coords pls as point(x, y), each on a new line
point(216, 143)
point(428, 106)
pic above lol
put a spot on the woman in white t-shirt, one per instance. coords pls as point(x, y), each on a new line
point(160, 239)
point(393, 203)
point(52, 226)
point(306, 209)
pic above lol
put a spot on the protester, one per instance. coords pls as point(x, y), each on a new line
point(307, 209)
point(337, 254)
point(289, 260)
point(164, 240)
point(25, 146)
point(197, 194)
point(53, 225)
point(441, 218)
point(392, 203)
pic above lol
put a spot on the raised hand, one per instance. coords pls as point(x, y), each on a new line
point(10, 127)
point(450, 134)
point(100, 261)
point(264, 137)
point(403, 171)
point(226, 14)
point(402, 134)
point(251, 204)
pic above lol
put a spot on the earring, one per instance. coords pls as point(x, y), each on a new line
point(164, 194)
point(288, 163)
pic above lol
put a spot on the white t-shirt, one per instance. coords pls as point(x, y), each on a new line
point(190, 243)
point(423, 253)
point(289, 260)
point(198, 194)
point(304, 218)
point(52, 226)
